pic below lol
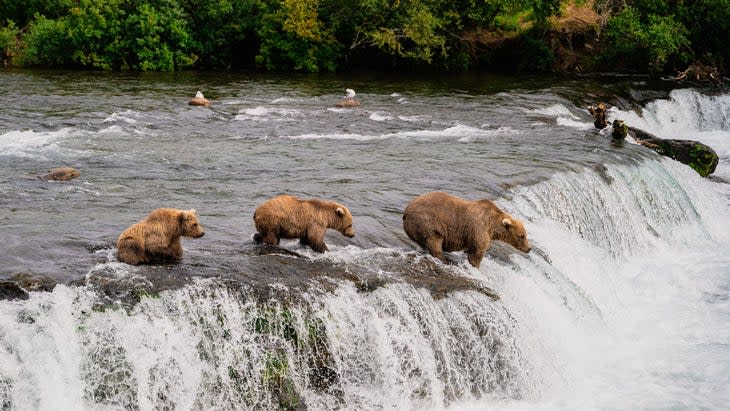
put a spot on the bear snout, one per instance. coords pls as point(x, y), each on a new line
point(349, 232)
point(202, 233)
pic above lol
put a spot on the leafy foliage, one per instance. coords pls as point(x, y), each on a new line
point(324, 35)
point(646, 40)
point(8, 34)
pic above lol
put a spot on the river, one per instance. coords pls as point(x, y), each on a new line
point(623, 304)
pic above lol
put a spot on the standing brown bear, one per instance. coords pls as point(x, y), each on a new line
point(286, 216)
point(442, 222)
point(156, 239)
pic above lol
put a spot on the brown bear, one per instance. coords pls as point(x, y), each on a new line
point(442, 222)
point(286, 216)
point(156, 239)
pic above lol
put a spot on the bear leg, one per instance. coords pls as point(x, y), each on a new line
point(318, 246)
point(475, 259)
point(130, 252)
point(270, 238)
point(434, 246)
point(315, 239)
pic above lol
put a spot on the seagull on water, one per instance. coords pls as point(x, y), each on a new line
point(350, 93)
point(199, 94)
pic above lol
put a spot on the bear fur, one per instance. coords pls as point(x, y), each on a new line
point(286, 216)
point(442, 222)
point(156, 239)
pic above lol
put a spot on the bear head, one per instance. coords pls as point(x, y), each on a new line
point(343, 222)
point(513, 233)
point(189, 224)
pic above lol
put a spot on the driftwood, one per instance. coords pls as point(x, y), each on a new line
point(700, 73)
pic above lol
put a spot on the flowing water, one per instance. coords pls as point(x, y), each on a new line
point(624, 303)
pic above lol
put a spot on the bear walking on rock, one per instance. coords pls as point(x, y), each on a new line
point(442, 222)
point(156, 239)
point(286, 216)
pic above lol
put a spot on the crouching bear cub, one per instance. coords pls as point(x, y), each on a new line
point(286, 216)
point(442, 222)
point(156, 239)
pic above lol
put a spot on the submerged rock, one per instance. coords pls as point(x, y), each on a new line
point(701, 157)
point(61, 174)
point(199, 100)
point(10, 290)
point(348, 102)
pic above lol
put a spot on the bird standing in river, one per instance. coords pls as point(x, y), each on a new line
point(350, 93)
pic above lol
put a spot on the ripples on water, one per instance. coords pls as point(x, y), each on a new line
point(139, 147)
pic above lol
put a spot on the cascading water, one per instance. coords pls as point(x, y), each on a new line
point(394, 345)
point(623, 303)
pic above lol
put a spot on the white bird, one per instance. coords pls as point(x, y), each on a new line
point(350, 93)
point(199, 94)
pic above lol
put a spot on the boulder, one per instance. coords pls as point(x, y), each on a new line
point(199, 100)
point(348, 102)
point(61, 174)
point(9, 290)
point(701, 157)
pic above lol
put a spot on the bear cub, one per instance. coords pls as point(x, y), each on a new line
point(286, 216)
point(156, 239)
point(442, 222)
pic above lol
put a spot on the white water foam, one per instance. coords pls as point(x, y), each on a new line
point(379, 116)
point(651, 262)
point(265, 114)
point(563, 116)
point(466, 133)
point(31, 143)
point(687, 115)
point(127, 116)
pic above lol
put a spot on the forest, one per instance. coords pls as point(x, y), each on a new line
point(646, 36)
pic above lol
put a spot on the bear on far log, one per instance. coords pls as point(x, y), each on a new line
point(286, 216)
point(441, 222)
point(156, 239)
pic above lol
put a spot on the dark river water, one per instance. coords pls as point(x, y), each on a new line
point(373, 324)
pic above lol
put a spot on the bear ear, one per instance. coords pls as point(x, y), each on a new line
point(192, 210)
point(507, 222)
point(340, 212)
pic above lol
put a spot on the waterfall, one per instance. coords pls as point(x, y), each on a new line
point(559, 317)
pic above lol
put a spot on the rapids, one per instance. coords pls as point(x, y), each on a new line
point(624, 303)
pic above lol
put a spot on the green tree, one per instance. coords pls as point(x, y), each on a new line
point(646, 41)
point(44, 44)
point(8, 42)
point(294, 38)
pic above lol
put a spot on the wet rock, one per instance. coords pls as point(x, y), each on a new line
point(348, 102)
point(61, 174)
point(701, 157)
point(9, 290)
point(199, 100)
point(34, 282)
